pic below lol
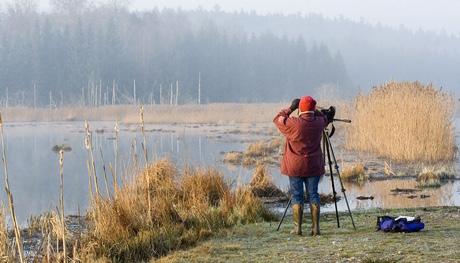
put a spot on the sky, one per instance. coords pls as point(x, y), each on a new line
point(439, 15)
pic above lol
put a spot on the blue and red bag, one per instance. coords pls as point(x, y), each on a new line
point(399, 224)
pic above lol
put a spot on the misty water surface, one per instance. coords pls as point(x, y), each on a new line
point(34, 167)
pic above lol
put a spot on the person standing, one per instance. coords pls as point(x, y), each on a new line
point(303, 160)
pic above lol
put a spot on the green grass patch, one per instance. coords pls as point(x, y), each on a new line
point(260, 242)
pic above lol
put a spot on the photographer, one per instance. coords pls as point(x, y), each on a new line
point(303, 158)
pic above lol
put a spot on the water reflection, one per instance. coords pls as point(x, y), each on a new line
point(34, 168)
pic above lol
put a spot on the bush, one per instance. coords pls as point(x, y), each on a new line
point(404, 121)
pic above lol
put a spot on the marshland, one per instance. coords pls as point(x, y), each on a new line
point(138, 133)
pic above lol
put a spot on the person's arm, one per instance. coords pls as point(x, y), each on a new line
point(283, 121)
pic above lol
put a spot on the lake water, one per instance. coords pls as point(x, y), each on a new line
point(34, 167)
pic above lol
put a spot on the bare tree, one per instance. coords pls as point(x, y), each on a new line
point(117, 4)
point(22, 6)
point(69, 7)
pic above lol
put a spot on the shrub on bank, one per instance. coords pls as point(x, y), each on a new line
point(404, 121)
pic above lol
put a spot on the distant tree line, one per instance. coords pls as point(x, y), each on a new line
point(93, 55)
point(373, 53)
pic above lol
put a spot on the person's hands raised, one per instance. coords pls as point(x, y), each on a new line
point(295, 104)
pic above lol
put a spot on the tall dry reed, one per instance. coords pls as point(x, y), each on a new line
point(17, 232)
point(61, 202)
point(404, 121)
point(92, 166)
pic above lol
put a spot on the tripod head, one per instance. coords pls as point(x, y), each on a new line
point(330, 114)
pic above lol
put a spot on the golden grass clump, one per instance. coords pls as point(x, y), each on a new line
point(186, 207)
point(433, 177)
point(261, 152)
point(233, 157)
point(404, 121)
point(354, 173)
point(261, 149)
point(262, 184)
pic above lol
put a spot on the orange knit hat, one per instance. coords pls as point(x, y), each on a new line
point(307, 103)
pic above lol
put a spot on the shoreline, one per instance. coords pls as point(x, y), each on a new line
point(216, 113)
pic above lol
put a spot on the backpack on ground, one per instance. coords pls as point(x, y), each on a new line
point(399, 224)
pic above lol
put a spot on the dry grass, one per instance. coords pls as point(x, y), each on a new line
point(434, 176)
point(261, 152)
point(406, 122)
point(262, 184)
point(233, 157)
point(50, 229)
point(263, 149)
point(186, 207)
point(208, 113)
point(354, 173)
point(5, 248)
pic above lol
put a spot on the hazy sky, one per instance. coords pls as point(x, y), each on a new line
point(426, 14)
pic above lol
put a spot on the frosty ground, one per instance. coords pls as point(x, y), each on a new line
point(438, 242)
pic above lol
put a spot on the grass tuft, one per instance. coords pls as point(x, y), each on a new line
point(261, 152)
point(262, 184)
point(354, 173)
point(434, 177)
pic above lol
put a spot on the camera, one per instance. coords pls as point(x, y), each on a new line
point(329, 113)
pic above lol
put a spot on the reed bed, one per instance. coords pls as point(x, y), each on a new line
point(185, 207)
point(405, 122)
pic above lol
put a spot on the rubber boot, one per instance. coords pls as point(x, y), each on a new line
point(314, 210)
point(297, 213)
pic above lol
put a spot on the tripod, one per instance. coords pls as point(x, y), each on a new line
point(329, 152)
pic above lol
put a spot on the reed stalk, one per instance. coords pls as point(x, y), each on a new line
point(90, 181)
point(17, 232)
point(61, 176)
point(144, 147)
point(142, 124)
point(89, 148)
point(115, 174)
point(105, 173)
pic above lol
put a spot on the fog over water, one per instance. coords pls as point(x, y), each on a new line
point(61, 52)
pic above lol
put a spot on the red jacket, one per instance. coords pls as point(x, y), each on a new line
point(302, 153)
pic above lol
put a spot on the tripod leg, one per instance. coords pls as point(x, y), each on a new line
point(284, 214)
point(328, 146)
point(341, 183)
